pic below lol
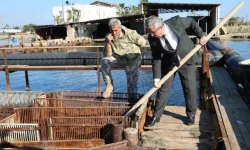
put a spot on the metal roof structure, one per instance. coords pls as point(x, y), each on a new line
point(150, 7)
point(177, 7)
point(105, 20)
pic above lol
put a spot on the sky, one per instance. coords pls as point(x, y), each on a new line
point(39, 12)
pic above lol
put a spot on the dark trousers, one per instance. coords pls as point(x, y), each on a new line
point(132, 72)
point(188, 81)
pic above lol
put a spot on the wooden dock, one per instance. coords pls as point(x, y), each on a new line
point(172, 133)
point(233, 109)
point(228, 121)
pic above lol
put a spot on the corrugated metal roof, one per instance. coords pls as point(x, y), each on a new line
point(122, 19)
point(178, 7)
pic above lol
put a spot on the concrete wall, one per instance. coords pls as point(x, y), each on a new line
point(17, 98)
point(87, 12)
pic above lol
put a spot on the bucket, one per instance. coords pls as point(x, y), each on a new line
point(245, 69)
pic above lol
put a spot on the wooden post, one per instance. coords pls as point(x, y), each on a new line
point(27, 81)
point(131, 134)
point(144, 99)
point(6, 72)
point(98, 71)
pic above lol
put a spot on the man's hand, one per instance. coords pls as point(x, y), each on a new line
point(156, 82)
point(110, 38)
point(203, 40)
point(108, 46)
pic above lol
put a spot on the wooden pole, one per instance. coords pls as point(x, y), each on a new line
point(98, 72)
point(27, 81)
point(7, 74)
point(144, 99)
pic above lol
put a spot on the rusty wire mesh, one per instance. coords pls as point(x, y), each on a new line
point(75, 115)
point(34, 114)
point(85, 128)
point(85, 95)
point(65, 128)
point(6, 112)
point(55, 102)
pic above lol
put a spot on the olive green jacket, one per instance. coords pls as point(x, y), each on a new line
point(129, 41)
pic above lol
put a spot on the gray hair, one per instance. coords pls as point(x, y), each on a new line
point(114, 21)
point(154, 21)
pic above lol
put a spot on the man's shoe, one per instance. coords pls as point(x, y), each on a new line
point(107, 91)
point(190, 121)
point(151, 121)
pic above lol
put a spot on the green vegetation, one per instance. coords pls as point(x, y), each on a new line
point(73, 15)
point(6, 27)
point(16, 27)
point(29, 28)
point(131, 10)
point(235, 21)
point(58, 19)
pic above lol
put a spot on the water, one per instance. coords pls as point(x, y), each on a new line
point(87, 80)
point(241, 47)
point(3, 42)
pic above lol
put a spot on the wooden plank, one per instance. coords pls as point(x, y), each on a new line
point(243, 128)
point(245, 116)
point(229, 99)
point(215, 83)
point(173, 145)
point(181, 120)
point(227, 114)
point(202, 114)
point(171, 133)
point(230, 83)
point(178, 139)
point(248, 125)
point(221, 80)
point(231, 129)
point(177, 114)
point(241, 118)
point(180, 111)
point(240, 103)
point(181, 127)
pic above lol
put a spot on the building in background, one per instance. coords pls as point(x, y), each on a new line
point(83, 12)
point(10, 30)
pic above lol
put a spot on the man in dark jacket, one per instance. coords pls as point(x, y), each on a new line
point(170, 43)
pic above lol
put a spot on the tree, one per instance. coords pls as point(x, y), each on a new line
point(58, 19)
point(6, 26)
point(125, 11)
point(73, 15)
point(69, 15)
point(16, 27)
point(29, 27)
point(233, 21)
point(132, 10)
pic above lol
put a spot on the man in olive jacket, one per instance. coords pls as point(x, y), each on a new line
point(170, 43)
point(122, 49)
